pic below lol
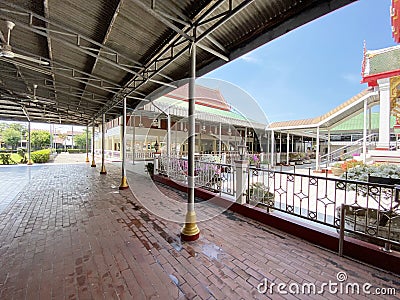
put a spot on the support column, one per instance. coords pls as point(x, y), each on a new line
point(241, 181)
point(87, 143)
point(124, 183)
point(384, 114)
point(329, 147)
point(317, 151)
point(103, 142)
point(133, 140)
point(370, 122)
point(293, 150)
point(190, 231)
point(278, 159)
point(29, 144)
point(272, 147)
point(168, 141)
point(93, 165)
point(220, 140)
point(364, 155)
point(287, 148)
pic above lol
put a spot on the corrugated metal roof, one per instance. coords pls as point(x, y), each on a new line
point(99, 51)
point(335, 116)
point(357, 123)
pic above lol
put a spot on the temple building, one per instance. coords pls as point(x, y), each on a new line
point(219, 127)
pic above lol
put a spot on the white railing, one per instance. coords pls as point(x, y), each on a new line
point(216, 177)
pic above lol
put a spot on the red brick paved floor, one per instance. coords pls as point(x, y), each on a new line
point(70, 234)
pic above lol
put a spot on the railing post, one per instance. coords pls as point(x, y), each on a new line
point(387, 248)
point(156, 163)
point(342, 224)
point(241, 181)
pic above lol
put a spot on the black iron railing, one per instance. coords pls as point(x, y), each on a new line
point(370, 209)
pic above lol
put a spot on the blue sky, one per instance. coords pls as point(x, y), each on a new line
point(314, 68)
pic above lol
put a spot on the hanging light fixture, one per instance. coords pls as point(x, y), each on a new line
point(229, 130)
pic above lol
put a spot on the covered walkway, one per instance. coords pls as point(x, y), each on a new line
point(67, 232)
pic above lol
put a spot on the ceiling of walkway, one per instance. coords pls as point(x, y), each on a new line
point(71, 61)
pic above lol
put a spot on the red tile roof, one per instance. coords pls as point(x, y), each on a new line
point(203, 95)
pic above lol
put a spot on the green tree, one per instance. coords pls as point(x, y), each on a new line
point(11, 137)
point(80, 140)
point(9, 133)
point(40, 139)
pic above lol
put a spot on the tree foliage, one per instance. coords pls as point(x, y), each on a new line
point(40, 139)
point(80, 140)
point(11, 137)
point(11, 134)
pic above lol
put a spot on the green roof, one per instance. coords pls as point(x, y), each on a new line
point(384, 61)
point(357, 123)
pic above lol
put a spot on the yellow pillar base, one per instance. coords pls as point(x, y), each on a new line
point(87, 159)
point(30, 162)
point(190, 231)
point(103, 170)
point(124, 184)
point(93, 165)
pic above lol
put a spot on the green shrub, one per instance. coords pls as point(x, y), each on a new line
point(41, 156)
point(76, 150)
point(6, 159)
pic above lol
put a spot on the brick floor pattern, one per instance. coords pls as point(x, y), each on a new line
point(70, 234)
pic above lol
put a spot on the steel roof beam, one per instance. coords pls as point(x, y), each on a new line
point(48, 72)
point(63, 30)
point(76, 45)
point(105, 39)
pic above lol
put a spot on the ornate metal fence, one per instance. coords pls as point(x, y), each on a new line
point(371, 210)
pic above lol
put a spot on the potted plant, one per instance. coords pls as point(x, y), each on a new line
point(337, 169)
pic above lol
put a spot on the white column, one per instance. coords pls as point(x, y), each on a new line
point(364, 155)
point(168, 141)
point(87, 143)
point(220, 140)
point(272, 147)
point(93, 146)
point(328, 159)
point(133, 139)
point(317, 151)
point(241, 181)
point(29, 143)
point(278, 159)
point(293, 150)
point(287, 148)
point(384, 114)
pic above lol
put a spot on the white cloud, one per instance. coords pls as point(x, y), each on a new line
point(250, 58)
point(352, 78)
